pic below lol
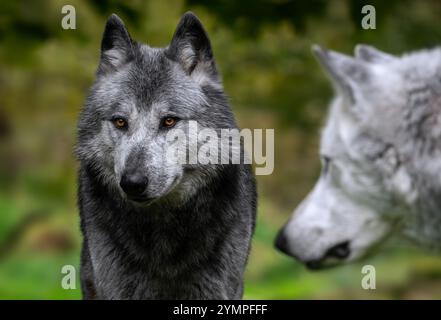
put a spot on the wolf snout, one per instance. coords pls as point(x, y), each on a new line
point(323, 257)
point(281, 243)
point(134, 185)
point(339, 251)
point(332, 257)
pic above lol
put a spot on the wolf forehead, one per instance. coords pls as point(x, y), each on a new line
point(151, 77)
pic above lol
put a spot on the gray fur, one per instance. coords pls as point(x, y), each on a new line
point(381, 147)
point(192, 240)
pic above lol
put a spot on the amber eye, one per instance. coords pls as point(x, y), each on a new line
point(119, 123)
point(169, 122)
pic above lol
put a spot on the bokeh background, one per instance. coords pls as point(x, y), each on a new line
point(263, 52)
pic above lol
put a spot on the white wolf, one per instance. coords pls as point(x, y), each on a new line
point(381, 155)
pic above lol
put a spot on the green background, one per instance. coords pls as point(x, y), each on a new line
point(263, 52)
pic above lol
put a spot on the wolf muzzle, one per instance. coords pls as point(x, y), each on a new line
point(134, 185)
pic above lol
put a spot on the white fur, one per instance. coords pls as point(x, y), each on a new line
point(385, 151)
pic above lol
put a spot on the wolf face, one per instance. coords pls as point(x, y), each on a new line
point(140, 94)
point(371, 153)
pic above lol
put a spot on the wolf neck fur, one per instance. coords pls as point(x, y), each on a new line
point(138, 227)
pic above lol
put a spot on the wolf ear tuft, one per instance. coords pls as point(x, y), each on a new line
point(371, 54)
point(348, 74)
point(116, 45)
point(191, 48)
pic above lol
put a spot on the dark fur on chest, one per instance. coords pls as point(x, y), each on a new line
point(197, 249)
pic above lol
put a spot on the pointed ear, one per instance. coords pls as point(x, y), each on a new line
point(371, 54)
point(191, 48)
point(116, 46)
point(347, 73)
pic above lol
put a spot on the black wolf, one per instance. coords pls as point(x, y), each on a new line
point(154, 229)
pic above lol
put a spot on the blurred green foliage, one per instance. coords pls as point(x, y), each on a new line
point(263, 51)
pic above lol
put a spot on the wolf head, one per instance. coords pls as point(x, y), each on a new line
point(375, 137)
point(140, 94)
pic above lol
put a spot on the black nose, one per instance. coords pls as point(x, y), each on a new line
point(134, 185)
point(281, 242)
point(313, 264)
point(339, 251)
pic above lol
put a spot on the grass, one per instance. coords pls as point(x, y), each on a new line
point(36, 277)
point(32, 270)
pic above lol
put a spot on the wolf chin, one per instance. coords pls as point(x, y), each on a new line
point(154, 229)
point(380, 151)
